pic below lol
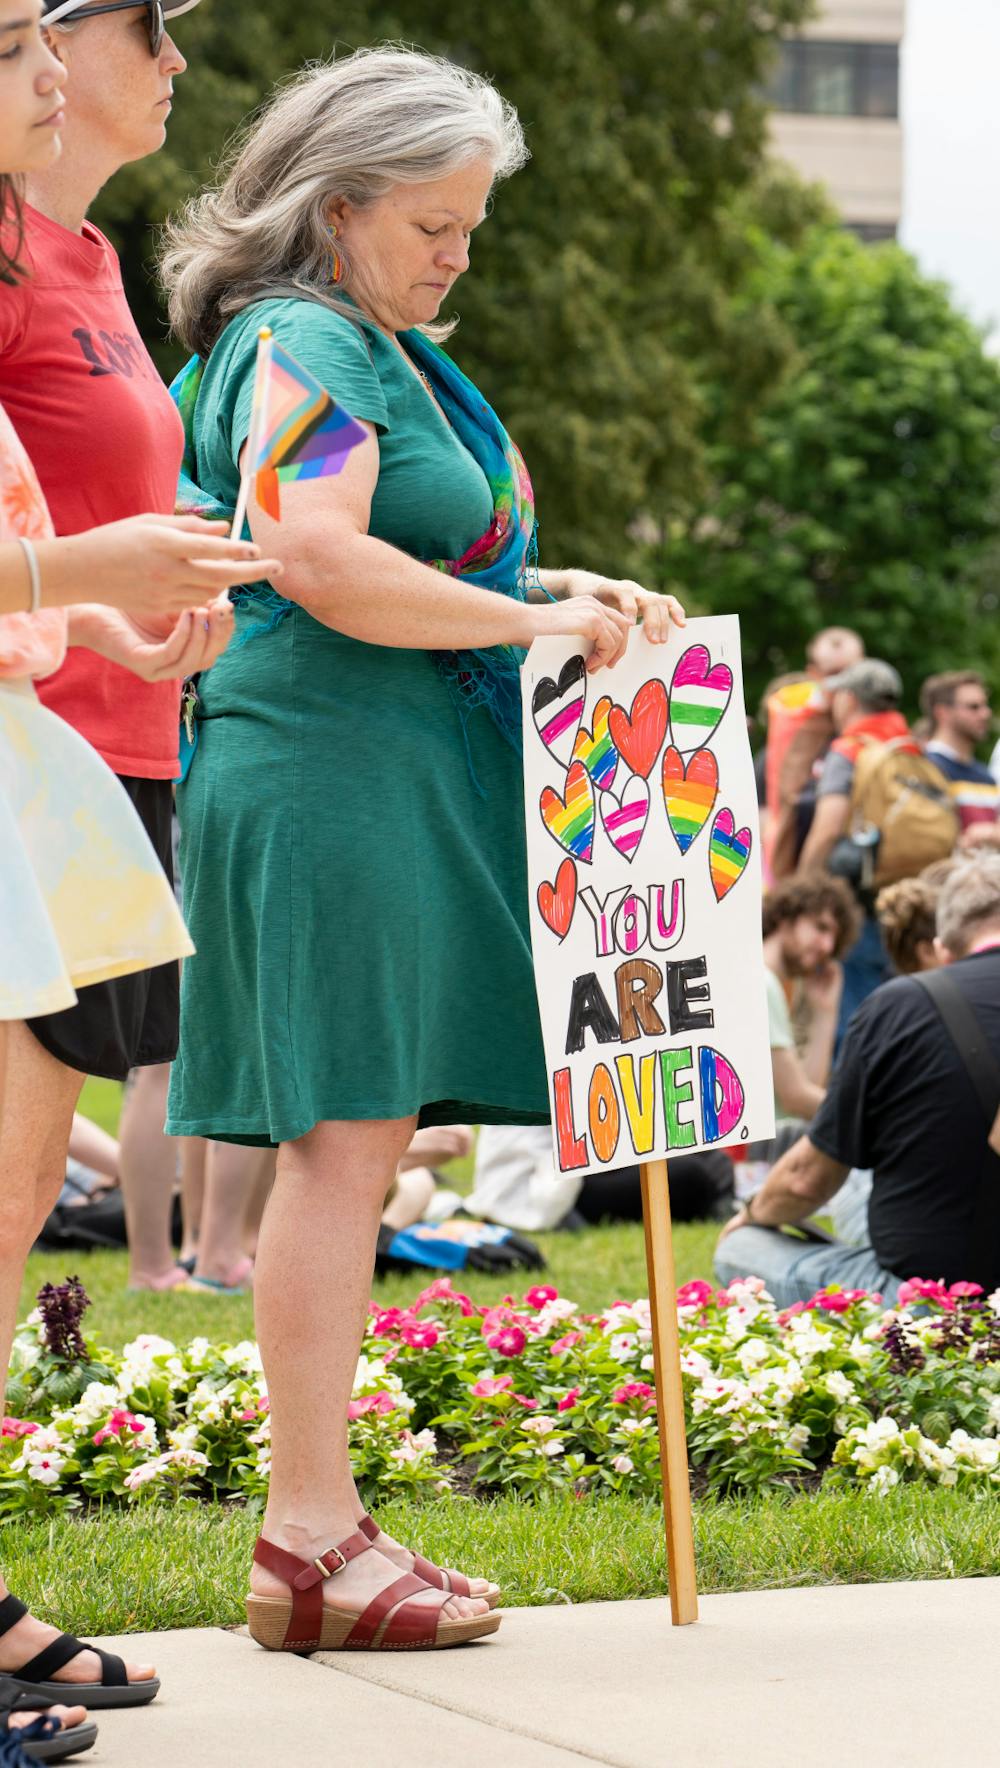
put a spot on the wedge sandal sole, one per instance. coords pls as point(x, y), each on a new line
point(268, 1619)
point(94, 1695)
point(70, 1742)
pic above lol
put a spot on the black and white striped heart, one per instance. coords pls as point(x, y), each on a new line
point(557, 708)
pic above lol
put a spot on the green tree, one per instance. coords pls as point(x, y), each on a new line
point(603, 293)
point(864, 490)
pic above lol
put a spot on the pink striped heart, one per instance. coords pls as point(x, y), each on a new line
point(624, 814)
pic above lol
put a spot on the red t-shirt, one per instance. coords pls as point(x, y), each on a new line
point(105, 439)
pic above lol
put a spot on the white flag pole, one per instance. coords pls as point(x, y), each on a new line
point(258, 426)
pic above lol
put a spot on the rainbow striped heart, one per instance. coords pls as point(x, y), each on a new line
point(689, 792)
point(570, 820)
point(728, 854)
point(699, 695)
point(596, 750)
point(557, 708)
point(624, 815)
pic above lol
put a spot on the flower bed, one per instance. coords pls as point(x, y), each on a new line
point(529, 1396)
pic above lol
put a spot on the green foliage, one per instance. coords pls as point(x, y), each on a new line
point(863, 492)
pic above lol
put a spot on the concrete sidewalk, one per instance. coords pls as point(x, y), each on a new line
point(765, 1680)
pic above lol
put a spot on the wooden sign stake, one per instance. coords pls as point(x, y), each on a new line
point(669, 1392)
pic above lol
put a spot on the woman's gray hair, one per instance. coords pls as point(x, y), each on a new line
point(969, 902)
point(351, 128)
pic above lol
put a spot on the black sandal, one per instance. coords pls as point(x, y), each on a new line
point(34, 1678)
point(44, 1741)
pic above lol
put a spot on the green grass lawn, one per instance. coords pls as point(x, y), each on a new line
point(121, 1572)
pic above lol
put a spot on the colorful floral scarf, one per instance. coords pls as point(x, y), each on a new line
point(504, 559)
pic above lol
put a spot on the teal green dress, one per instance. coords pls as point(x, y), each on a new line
point(354, 878)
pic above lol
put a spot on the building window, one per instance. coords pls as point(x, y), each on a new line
point(836, 79)
point(871, 232)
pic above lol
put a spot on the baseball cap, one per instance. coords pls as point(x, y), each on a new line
point(52, 13)
point(871, 679)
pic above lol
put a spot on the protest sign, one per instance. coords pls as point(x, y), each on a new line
point(645, 898)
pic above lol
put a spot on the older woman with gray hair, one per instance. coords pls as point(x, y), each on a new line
point(353, 821)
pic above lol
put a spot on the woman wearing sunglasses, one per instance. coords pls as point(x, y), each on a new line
point(83, 899)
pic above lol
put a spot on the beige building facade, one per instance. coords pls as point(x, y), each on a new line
point(836, 115)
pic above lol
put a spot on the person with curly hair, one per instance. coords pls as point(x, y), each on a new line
point(808, 923)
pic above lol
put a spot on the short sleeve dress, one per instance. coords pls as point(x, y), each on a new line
point(353, 863)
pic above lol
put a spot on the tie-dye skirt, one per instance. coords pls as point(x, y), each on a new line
point(82, 894)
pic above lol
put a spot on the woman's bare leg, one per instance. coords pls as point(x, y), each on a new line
point(93, 1147)
point(314, 1271)
point(262, 1187)
point(194, 1156)
point(149, 1173)
point(36, 1111)
point(230, 1180)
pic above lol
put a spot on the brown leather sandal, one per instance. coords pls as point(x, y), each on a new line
point(456, 1583)
point(303, 1623)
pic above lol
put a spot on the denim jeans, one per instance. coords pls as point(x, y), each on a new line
point(794, 1269)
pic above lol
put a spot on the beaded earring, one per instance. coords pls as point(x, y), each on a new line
point(333, 263)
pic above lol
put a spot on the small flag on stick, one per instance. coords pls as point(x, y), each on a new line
point(297, 431)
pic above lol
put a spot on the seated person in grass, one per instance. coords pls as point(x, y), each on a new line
point(903, 1102)
point(808, 925)
point(518, 1185)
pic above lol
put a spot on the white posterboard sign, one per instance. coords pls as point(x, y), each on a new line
point(645, 898)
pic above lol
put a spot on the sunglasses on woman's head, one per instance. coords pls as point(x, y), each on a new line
point(155, 23)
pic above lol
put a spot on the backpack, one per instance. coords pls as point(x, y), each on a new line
point(905, 799)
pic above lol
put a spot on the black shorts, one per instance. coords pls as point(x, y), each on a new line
point(131, 1021)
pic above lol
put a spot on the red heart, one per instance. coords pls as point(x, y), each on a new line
point(639, 737)
point(556, 905)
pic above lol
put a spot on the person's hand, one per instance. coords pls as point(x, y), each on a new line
point(606, 629)
point(198, 638)
point(155, 568)
point(435, 1146)
point(657, 613)
point(824, 987)
point(740, 1220)
point(978, 835)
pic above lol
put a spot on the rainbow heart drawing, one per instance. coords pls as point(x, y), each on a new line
point(570, 820)
point(557, 708)
point(699, 695)
point(638, 736)
point(624, 815)
point(557, 902)
point(689, 792)
point(728, 853)
point(596, 750)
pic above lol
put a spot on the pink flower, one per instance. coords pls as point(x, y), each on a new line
point(379, 1403)
point(623, 1464)
point(420, 1335)
point(566, 1343)
point(510, 1342)
point(925, 1289)
point(494, 1318)
point(969, 1289)
point(523, 1400)
point(836, 1301)
point(18, 1427)
point(569, 1399)
point(119, 1422)
point(441, 1290)
point(488, 1385)
point(697, 1294)
point(542, 1292)
point(386, 1320)
point(634, 1390)
point(797, 1307)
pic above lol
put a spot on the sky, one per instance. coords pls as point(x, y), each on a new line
point(951, 120)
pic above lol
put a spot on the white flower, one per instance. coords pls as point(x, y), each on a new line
point(629, 1426)
point(693, 1363)
point(245, 1355)
point(882, 1481)
point(44, 1441)
point(552, 1446)
point(992, 1301)
point(839, 1386)
point(752, 1352)
point(145, 1473)
point(45, 1468)
point(623, 1464)
point(541, 1423)
point(623, 1346)
point(185, 1437)
point(554, 1313)
point(648, 1364)
point(96, 1401)
point(798, 1437)
point(185, 1458)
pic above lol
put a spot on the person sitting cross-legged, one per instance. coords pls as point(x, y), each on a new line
point(904, 1102)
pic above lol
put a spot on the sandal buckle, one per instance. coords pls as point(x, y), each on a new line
point(328, 1571)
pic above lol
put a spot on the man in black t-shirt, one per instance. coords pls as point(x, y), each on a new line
point(902, 1102)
